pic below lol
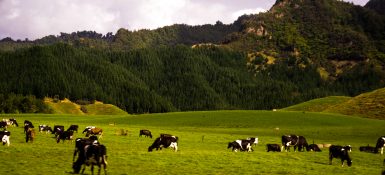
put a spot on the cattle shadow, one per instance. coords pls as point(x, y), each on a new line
point(321, 163)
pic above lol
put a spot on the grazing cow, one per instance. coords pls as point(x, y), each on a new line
point(242, 145)
point(380, 144)
point(80, 143)
point(29, 135)
point(57, 129)
point(9, 122)
point(273, 147)
point(4, 136)
point(45, 128)
point(90, 153)
point(13, 122)
point(313, 147)
point(369, 149)
point(88, 128)
point(73, 128)
point(165, 141)
point(94, 131)
point(27, 125)
point(293, 140)
point(342, 152)
point(65, 135)
point(145, 132)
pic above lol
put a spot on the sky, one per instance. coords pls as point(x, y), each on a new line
point(33, 19)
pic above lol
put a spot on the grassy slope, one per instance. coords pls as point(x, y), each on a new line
point(369, 105)
point(318, 105)
point(203, 143)
point(68, 107)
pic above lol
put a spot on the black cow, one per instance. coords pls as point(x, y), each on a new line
point(3, 124)
point(145, 132)
point(73, 128)
point(29, 135)
point(313, 147)
point(57, 129)
point(65, 135)
point(80, 143)
point(342, 152)
point(45, 128)
point(273, 147)
point(90, 153)
point(165, 141)
point(4, 136)
point(369, 149)
point(27, 125)
point(380, 144)
point(294, 140)
point(242, 145)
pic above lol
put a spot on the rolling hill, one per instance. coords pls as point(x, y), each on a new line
point(67, 107)
point(369, 105)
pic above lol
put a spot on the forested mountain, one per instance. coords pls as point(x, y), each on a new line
point(297, 51)
point(377, 5)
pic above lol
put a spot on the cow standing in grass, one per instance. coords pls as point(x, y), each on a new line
point(342, 152)
point(165, 141)
point(30, 135)
point(94, 131)
point(65, 135)
point(4, 136)
point(380, 144)
point(294, 140)
point(73, 128)
point(90, 153)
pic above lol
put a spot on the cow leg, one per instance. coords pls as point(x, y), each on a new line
point(382, 150)
point(330, 159)
point(342, 162)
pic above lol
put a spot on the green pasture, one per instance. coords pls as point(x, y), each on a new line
point(203, 139)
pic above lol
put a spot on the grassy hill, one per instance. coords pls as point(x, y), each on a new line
point(203, 139)
point(370, 105)
point(67, 107)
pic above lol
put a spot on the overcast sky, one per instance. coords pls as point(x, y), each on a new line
point(20, 19)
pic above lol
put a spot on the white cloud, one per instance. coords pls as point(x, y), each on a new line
point(239, 13)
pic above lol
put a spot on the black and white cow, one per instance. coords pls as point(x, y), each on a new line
point(80, 143)
point(57, 129)
point(13, 122)
point(29, 123)
point(273, 147)
point(380, 144)
point(293, 140)
point(342, 152)
point(9, 122)
point(4, 136)
point(3, 124)
point(241, 145)
point(165, 141)
point(65, 135)
point(73, 128)
point(145, 132)
point(313, 147)
point(90, 153)
point(369, 149)
point(45, 128)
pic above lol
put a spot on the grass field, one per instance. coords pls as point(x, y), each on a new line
point(203, 139)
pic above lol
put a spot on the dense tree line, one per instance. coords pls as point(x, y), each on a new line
point(16, 103)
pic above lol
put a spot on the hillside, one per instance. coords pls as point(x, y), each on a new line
point(67, 107)
point(369, 105)
point(376, 5)
point(297, 51)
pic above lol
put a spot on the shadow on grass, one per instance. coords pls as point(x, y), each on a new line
point(322, 163)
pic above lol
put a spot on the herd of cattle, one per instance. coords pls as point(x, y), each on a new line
point(90, 152)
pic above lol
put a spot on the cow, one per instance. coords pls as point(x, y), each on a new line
point(4, 136)
point(29, 135)
point(94, 131)
point(313, 147)
point(80, 143)
point(145, 132)
point(369, 149)
point(3, 124)
point(27, 125)
point(9, 122)
point(57, 129)
point(342, 152)
point(294, 140)
point(45, 128)
point(90, 153)
point(73, 128)
point(380, 144)
point(241, 145)
point(65, 135)
point(88, 128)
point(273, 147)
point(13, 122)
point(165, 141)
